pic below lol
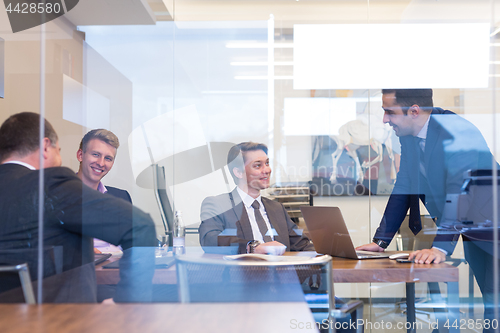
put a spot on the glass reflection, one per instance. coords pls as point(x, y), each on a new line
point(274, 81)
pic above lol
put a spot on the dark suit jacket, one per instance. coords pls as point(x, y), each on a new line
point(226, 212)
point(453, 146)
point(73, 215)
point(118, 193)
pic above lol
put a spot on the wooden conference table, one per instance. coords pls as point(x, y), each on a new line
point(162, 317)
point(386, 270)
point(352, 271)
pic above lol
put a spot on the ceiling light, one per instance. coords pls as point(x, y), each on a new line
point(258, 46)
point(261, 63)
point(263, 77)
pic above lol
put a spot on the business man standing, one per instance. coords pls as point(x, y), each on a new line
point(437, 148)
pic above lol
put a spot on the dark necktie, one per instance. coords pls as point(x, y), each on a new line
point(260, 221)
point(414, 220)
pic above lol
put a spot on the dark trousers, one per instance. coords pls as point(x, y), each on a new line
point(481, 263)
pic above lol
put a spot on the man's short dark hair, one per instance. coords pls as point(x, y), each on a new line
point(101, 134)
point(408, 97)
point(20, 134)
point(236, 155)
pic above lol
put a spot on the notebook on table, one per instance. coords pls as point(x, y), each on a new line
point(330, 235)
point(161, 262)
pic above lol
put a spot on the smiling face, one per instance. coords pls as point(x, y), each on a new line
point(95, 162)
point(401, 123)
point(257, 171)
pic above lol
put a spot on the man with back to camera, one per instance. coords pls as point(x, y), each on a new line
point(261, 225)
point(73, 215)
point(437, 147)
point(97, 155)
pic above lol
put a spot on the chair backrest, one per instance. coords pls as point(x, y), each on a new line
point(24, 278)
point(161, 193)
point(52, 265)
point(202, 279)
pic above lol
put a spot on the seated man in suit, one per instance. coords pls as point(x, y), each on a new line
point(73, 214)
point(96, 155)
point(243, 217)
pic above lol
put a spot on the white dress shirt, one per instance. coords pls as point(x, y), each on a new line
point(29, 166)
point(423, 133)
point(247, 202)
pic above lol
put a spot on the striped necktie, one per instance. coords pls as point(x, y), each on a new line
point(421, 154)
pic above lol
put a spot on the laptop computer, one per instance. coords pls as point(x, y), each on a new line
point(330, 235)
point(101, 257)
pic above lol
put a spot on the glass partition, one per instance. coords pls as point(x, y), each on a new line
point(324, 87)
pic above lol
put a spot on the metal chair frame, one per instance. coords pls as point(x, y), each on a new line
point(24, 277)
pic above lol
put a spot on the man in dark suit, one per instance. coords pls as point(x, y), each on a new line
point(243, 218)
point(72, 215)
point(96, 154)
point(437, 147)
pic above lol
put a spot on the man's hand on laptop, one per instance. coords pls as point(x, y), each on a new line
point(274, 248)
point(370, 247)
point(427, 256)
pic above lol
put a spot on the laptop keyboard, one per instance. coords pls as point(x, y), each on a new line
point(368, 252)
point(101, 257)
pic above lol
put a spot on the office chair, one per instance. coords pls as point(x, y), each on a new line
point(18, 260)
point(161, 194)
point(202, 279)
point(24, 277)
point(162, 198)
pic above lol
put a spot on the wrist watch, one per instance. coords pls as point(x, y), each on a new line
point(252, 245)
point(381, 243)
